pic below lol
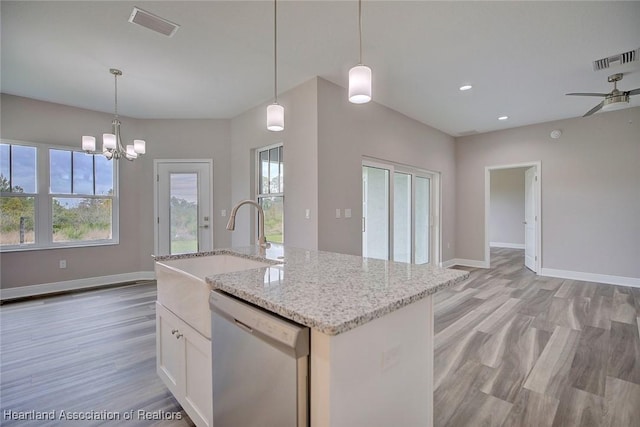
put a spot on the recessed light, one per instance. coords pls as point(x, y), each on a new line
point(465, 87)
point(503, 117)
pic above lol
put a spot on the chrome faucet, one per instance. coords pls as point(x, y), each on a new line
point(231, 225)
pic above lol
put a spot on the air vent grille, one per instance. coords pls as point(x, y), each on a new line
point(619, 59)
point(153, 22)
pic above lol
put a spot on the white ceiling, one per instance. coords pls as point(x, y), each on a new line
point(520, 57)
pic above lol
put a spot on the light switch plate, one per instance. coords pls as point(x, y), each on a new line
point(338, 214)
point(223, 212)
point(347, 213)
point(306, 213)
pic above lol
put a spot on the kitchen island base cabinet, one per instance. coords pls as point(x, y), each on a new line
point(184, 365)
point(379, 374)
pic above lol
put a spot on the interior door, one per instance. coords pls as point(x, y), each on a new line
point(184, 207)
point(530, 219)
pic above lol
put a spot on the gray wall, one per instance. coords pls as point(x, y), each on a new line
point(300, 146)
point(43, 122)
point(507, 206)
point(346, 133)
point(590, 190)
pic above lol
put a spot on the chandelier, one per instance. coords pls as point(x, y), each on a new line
point(112, 142)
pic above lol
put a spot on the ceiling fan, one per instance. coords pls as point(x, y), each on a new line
point(612, 100)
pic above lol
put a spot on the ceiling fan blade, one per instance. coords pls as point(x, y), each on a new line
point(635, 92)
point(594, 109)
point(588, 94)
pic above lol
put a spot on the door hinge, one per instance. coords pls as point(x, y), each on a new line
point(158, 178)
point(536, 217)
point(536, 257)
point(158, 220)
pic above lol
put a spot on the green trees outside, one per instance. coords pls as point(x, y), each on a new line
point(13, 211)
point(74, 219)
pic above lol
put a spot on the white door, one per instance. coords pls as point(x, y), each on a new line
point(530, 218)
point(183, 195)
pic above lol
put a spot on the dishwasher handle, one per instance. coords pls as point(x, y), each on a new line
point(243, 326)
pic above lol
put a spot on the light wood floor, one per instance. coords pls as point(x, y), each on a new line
point(512, 349)
point(515, 349)
point(83, 352)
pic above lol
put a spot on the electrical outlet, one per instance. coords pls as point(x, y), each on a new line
point(347, 213)
point(223, 212)
point(63, 263)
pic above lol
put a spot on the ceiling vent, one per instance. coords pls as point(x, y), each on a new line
point(153, 22)
point(619, 59)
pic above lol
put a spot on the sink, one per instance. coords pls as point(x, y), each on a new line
point(183, 290)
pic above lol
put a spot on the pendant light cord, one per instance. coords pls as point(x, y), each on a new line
point(360, 27)
point(275, 50)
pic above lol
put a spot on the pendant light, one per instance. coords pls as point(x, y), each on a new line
point(112, 142)
point(360, 75)
point(275, 111)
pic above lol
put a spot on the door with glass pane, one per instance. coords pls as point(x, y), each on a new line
point(183, 223)
point(397, 213)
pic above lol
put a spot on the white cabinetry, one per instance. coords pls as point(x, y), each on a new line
point(184, 365)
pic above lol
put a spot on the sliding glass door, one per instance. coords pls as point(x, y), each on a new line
point(398, 213)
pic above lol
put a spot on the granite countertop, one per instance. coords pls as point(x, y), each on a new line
point(326, 291)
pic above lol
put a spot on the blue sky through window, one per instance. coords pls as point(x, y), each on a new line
point(60, 164)
point(18, 163)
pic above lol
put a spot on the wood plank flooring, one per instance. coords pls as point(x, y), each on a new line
point(83, 353)
point(512, 349)
point(515, 349)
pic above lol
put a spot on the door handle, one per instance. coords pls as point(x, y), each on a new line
point(204, 226)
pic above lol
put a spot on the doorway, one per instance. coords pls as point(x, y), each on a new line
point(400, 213)
point(513, 214)
point(183, 206)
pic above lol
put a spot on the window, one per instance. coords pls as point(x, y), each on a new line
point(55, 197)
point(271, 191)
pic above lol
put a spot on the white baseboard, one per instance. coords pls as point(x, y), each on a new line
point(506, 245)
point(591, 277)
point(466, 263)
point(70, 285)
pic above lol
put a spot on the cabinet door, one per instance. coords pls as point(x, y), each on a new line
point(170, 360)
point(198, 380)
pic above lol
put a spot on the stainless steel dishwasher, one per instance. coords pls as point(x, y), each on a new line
point(260, 366)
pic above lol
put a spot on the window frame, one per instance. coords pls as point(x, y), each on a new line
point(258, 181)
point(43, 204)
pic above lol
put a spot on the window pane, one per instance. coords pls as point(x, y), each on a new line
point(23, 169)
point(183, 191)
point(281, 170)
point(104, 175)
point(264, 172)
point(60, 171)
point(422, 220)
point(81, 219)
point(274, 171)
point(82, 173)
point(401, 217)
point(273, 218)
point(4, 167)
point(17, 219)
point(375, 212)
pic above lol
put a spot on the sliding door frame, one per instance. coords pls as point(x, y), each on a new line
point(435, 206)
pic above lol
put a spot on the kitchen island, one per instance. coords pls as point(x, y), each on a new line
point(371, 361)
